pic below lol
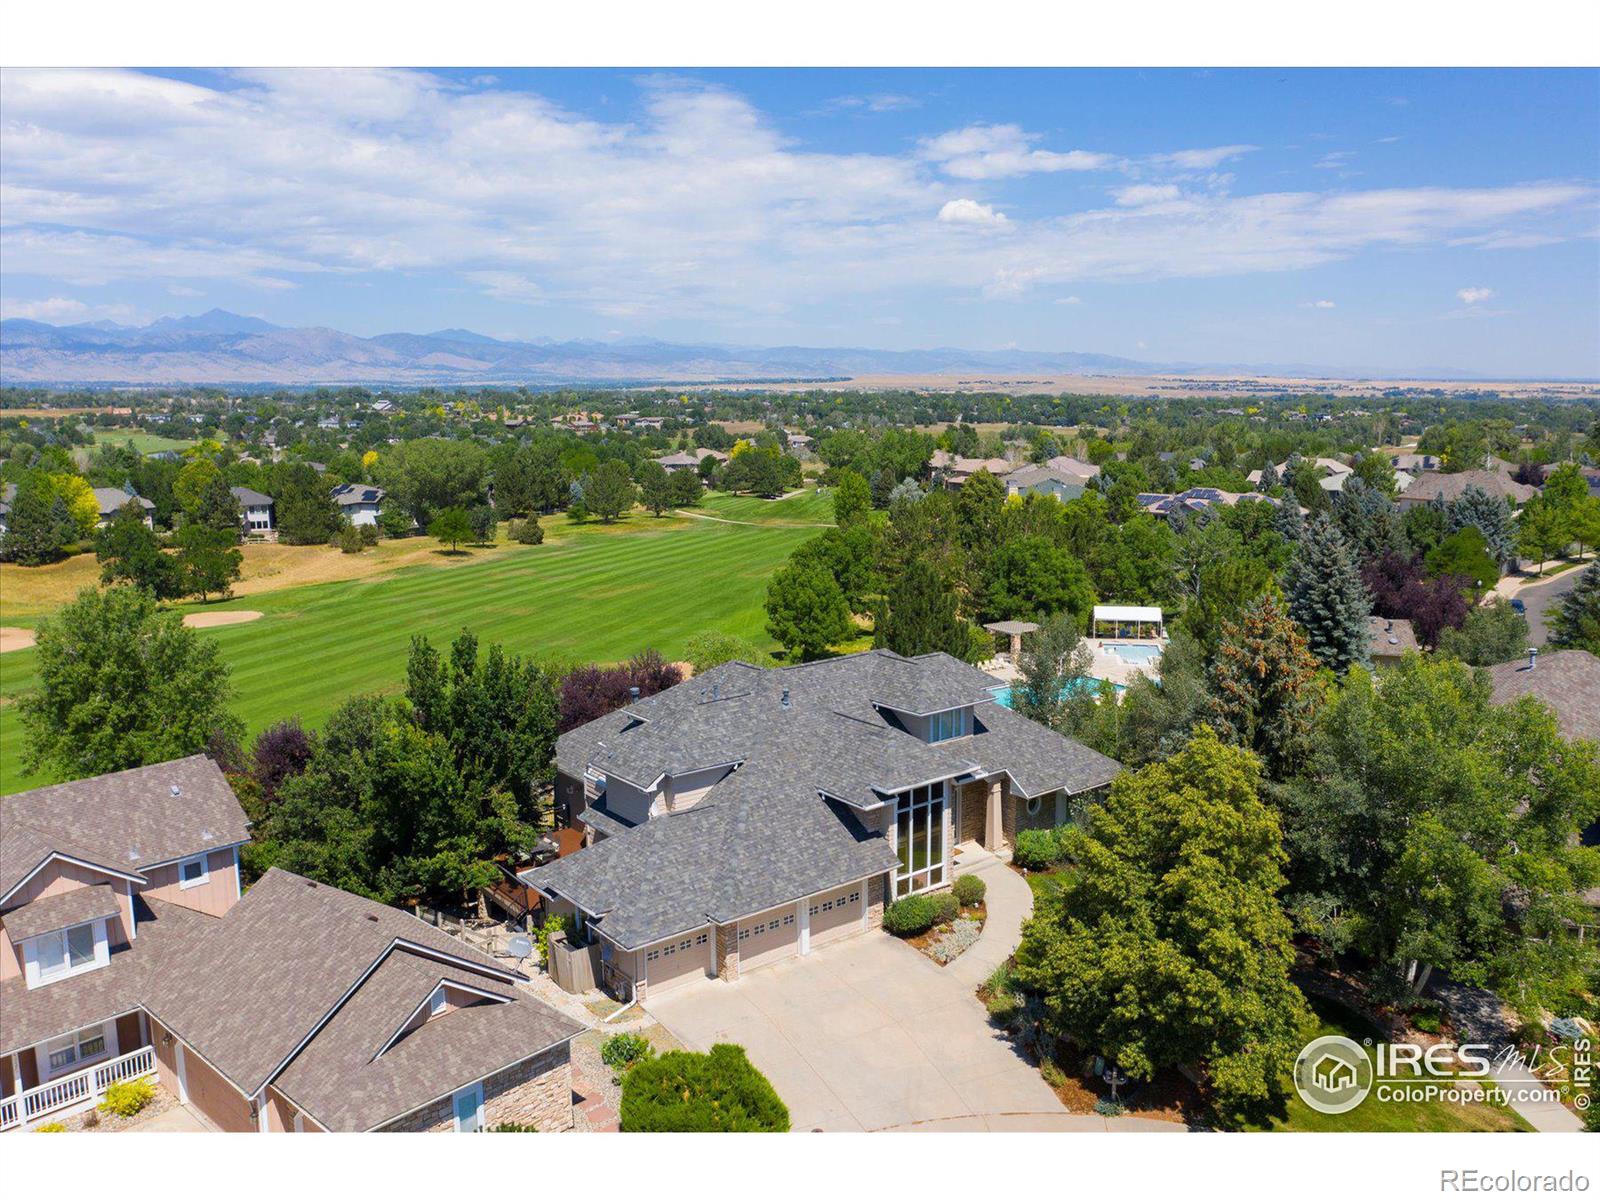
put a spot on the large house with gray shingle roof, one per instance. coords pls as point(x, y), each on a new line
point(128, 950)
point(749, 815)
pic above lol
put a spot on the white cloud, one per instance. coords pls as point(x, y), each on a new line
point(970, 212)
point(696, 206)
point(878, 102)
point(1335, 160)
point(1141, 194)
point(1068, 300)
point(64, 310)
point(1002, 151)
point(1319, 304)
point(1203, 160)
point(1474, 295)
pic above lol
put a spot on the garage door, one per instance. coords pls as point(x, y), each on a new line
point(836, 913)
point(676, 961)
point(768, 937)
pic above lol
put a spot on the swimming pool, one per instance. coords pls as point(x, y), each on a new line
point(1002, 695)
point(1139, 656)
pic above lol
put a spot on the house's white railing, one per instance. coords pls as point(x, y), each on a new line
point(78, 1088)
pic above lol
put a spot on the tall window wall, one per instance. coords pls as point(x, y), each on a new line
point(920, 840)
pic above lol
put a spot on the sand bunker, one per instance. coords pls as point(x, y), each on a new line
point(13, 638)
point(210, 620)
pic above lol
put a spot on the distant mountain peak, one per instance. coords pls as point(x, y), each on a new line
point(461, 335)
point(218, 320)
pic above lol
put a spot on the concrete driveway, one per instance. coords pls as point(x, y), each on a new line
point(867, 1034)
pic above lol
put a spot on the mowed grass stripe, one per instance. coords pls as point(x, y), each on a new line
point(596, 594)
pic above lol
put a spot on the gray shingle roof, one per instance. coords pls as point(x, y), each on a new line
point(60, 910)
point(812, 744)
point(1391, 638)
point(1567, 680)
point(111, 499)
point(246, 495)
point(125, 821)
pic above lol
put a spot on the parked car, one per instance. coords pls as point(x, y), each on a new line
point(1518, 607)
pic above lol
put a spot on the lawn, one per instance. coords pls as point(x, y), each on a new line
point(144, 443)
point(589, 593)
point(1388, 1116)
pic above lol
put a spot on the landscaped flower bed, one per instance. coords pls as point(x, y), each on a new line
point(943, 924)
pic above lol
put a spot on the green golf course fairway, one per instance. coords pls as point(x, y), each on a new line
point(594, 593)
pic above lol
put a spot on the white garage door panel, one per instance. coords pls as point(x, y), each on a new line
point(677, 961)
point(836, 913)
point(768, 937)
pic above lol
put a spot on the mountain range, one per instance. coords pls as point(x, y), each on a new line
point(220, 347)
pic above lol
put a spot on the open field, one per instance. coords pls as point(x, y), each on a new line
point(144, 443)
point(590, 592)
point(1158, 385)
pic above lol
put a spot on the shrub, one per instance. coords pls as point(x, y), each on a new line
point(50, 1127)
point(625, 1050)
point(1050, 1071)
point(350, 540)
point(513, 1127)
point(1107, 1107)
point(529, 532)
point(369, 534)
point(945, 907)
point(127, 1096)
point(683, 1092)
point(969, 890)
point(1038, 849)
point(555, 921)
point(909, 916)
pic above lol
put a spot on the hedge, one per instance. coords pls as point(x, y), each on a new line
point(969, 890)
point(684, 1092)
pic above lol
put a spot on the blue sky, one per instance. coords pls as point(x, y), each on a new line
point(1389, 220)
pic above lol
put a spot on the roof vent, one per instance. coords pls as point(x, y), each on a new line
point(176, 790)
point(373, 917)
point(633, 693)
point(1533, 657)
point(785, 700)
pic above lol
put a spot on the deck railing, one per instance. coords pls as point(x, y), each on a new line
point(76, 1089)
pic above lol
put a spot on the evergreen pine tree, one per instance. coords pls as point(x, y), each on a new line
point(1490, 516)
point(34, 532)
point(1328, 598)
point(1289, 522)
point(921, 617)
point(1576, 624)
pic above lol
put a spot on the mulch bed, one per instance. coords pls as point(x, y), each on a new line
point(925, 942)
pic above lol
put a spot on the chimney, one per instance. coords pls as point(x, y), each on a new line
point(1533, 657)
point(785, 700)
point(633, 693)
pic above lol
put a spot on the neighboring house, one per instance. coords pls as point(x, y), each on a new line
point(8, 493)
point(1567, 680)
point(1195, 500)
point(126, 950)
point(1333, 477)
point(1073, 466)
point(111, 501)
point(256, 513)
point(1390, 639)
point(750, 815)
point(1045, 480)
point(956, 470)
point(799, 443)
point(359, 502)
point(689, 460)
point(1437, 485)
point(1414, 464)
point(383, 406)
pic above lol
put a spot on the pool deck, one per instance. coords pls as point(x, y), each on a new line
point(1107, 664)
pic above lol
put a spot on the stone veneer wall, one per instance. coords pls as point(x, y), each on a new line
point(537, 1092)
point(877, 889)
point(728, 951)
